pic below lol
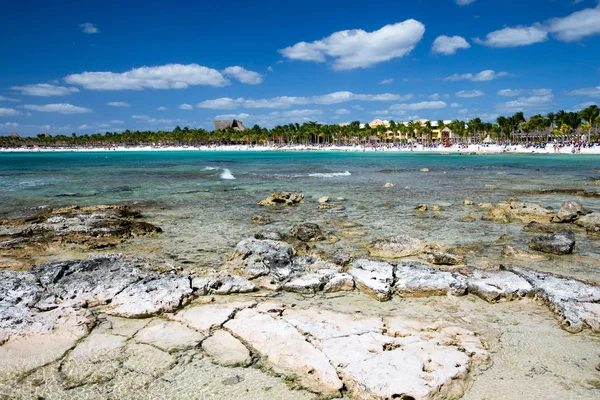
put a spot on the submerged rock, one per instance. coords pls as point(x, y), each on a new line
point(413, 278)
point(439, 258)
point(396, 247)
point(261, 219)
point(561, 242)
point(373, 277)
point(307, 232)
point(519, 211)
point(570, 211)
point(226, 350)
point(421, 207)
point(536, 227)
point(282, 198)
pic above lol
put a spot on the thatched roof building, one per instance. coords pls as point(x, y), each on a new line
point(14, 135)
point(235, 124)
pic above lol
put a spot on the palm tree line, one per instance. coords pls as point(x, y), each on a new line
point(562, 125)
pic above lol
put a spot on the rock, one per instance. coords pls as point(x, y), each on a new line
point(574, 302)
point(226, 350)
point(202, 285)
point(424, 170)
point(306, 283)
point(590, 222)
point(413, 278)
point(467, 202)
point(286, 351)
point(269, 235)
point(151, 296)
point(282, 198)
point(307, 232)
point(341, 224)
point(396, 247)
point(389, 185)
point(339, 283)
point(436, 207)
point(467, 218)
point(261, 219)
point(314, 264)
point(232, 284)
point(509, 251)
point(203, 318)
point(421, 207)
point(503, 239)
point(493, 286)
point(19, 292)
point(169, 336)
point(561, 242)
point(518, 211)
point(324, 199)
point(373, 277)
point(327, 206)
point(439, 258)
point(147, 360)
point(253, 258)
point(570, 211)
point(536, 227)
point(352, 233)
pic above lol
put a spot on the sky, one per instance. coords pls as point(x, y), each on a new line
point(91, 66)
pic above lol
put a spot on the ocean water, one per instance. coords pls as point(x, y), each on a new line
point(204, 200)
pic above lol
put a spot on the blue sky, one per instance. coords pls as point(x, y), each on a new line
point(95, 66)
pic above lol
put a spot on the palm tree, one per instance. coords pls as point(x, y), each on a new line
point(589, 114)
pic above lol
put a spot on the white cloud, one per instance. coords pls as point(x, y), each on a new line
point(9, 125)
point(169, 76)
point(351, 49)
point(435, 96)
point(463, 111)
point(275, 118)
point(464, 2)
point(88, 28)
point(45, 90)
point(514, 37)
point(591, 92)
point(359, 108)
point(577, 25)
point(2, 98)
point(342, 111)
point(469, 93)
point(573, 27)
point(161, 108)
point(226, 103)
point(8, 112)
point(117, 121)
point(482, 76)
point(455, 105)
point(62, 108)
point(186, 107)
point(581, 106)
point(243, 75)
point(424, 105)
point(118, 104)
point(524, 92)
point(526, 103)
point(270, 69)
point(448, 45)
point(386, 81)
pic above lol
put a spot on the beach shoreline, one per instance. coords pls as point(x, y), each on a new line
point(455, 149)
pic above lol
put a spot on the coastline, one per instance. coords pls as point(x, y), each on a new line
point(455, 149)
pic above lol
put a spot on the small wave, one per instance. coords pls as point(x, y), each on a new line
point(329, 174)
point(226, 174)
point(210, 168)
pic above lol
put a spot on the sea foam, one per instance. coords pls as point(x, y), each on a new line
point(329, 174)
point(226, 174)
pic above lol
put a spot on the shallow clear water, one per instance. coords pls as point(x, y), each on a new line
point(204, 200)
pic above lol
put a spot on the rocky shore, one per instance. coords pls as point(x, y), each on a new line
point(280, 311)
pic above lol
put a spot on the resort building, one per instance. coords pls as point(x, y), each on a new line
point(14, 135)
point(234, 124)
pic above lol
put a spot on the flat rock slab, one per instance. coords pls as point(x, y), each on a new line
point(226, 350)
point(493, 286)
point(339, 283)
point(19, 291)
point(285, 350)
point(151, 296)
point(306, 283)
point(574, 302)
point(396, 247)
point(204, 317)
point(147, 360)
point(373, 277)
point(413, 278)
point(169, 336)
point(253, 257)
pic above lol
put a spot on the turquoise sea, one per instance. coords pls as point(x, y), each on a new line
point(204, 200)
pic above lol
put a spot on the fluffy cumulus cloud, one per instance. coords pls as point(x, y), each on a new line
point(88, 28)
point(514, 37)
point(527, 104)
point(483, 76)
point(45, 90)
point(118, 104)
point(469, 93)
point(169, 76)
point(573, 27)
point(424, 105)
point(8, 112)
point(186, 107)
point(464, 2)
point(448, 45)
point(62, 108)
point(226, 103)
point(351, 49)
point(524, 92)
point(243, 75)
point(591, 92)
